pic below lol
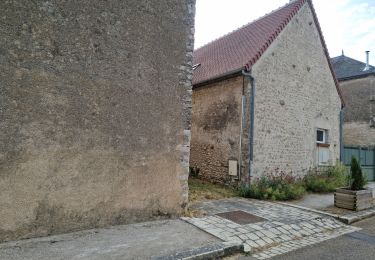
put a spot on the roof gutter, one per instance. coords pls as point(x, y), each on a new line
point(251, 128)
point(364, 75)
point(227, 75)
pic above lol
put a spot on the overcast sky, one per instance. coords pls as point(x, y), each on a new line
point(346, 24)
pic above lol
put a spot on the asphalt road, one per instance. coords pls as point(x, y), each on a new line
point(358, 245)
point(355, 246)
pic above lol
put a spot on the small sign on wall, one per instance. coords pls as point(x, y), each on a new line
point(232, 168)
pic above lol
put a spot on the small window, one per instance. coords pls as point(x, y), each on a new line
point(321, 136)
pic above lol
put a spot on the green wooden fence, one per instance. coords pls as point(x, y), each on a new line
point(365, 156)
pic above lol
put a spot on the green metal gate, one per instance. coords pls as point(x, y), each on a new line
point(365, 156)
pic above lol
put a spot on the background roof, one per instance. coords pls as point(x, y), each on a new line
point(348, 68)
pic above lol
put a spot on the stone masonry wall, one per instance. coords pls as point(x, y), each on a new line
point(216, 123)
point(359, 134)
point(359, 95)
point(95, 100)
point(295, 94)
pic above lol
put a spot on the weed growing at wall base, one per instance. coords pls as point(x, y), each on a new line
point(326, 179)
point(200, 190)
point(276, 186)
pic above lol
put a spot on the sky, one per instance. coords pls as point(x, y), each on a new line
point(347, 25)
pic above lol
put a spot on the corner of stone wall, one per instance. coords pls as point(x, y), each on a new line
point(244, 178)
point(185, 82)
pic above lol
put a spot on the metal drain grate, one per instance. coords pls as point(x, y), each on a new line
point(241, 217)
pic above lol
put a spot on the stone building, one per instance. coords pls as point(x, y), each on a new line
point(357, 82)
point(95, 100)
point(265, 99)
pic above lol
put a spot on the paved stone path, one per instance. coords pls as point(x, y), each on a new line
point(285, 228)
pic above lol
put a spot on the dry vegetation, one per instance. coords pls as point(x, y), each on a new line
point(200, 190)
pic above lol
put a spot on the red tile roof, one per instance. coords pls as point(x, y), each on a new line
point(241, 48)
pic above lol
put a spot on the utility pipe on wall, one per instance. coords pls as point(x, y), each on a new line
point(341, 135)
point(240, 145)
point(251, 128)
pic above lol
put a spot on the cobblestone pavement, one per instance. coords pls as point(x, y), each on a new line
point(284, 229)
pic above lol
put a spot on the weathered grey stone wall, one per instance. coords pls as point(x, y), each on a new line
point(295, 95)
point(359, 134)
point(359, 95)
point(216, 121)
point(95, 101)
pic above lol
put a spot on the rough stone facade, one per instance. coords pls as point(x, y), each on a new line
point(216, 128)
point(359, 134)
point(95, 103)
point(359, 126)
point(295, 95)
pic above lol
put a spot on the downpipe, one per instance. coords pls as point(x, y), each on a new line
point(342, 113)
point(240, 142)
point(251, 128)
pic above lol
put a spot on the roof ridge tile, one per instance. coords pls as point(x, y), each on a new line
point(245, 25)
point(227, 52)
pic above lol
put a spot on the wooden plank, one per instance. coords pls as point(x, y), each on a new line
point(364, 197)
point(345, 191)
point(345, 206)
point(345, 202)
point(344, 197)
point(364, 202)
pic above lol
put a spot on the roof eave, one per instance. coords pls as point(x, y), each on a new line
point(218, 78)
point(356, 76)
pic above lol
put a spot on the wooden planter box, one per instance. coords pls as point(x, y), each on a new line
point(353, 199)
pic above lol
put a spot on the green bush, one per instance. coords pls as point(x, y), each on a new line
point(357, 179)
point(327, 180)
point(278, 186)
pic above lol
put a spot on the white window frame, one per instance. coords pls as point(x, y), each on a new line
point(325, 136)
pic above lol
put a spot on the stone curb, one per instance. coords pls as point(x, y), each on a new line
point(357, 216)
point(214, 251)
point(346, 219)
point(311, 210)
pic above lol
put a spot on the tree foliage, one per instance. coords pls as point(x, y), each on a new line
point(358, 181)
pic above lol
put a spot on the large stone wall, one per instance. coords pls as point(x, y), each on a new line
point(216, 128)
point(359, 134)
point(295, 94)
point(359, 95)
point(95, 100)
